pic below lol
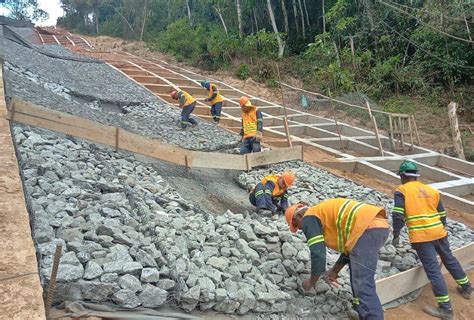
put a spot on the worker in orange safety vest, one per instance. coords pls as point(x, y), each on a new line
point(271, 193)
point(252, 127)
point(356, 230)
point(187, 103)
point(420, 207)
point(214, 98)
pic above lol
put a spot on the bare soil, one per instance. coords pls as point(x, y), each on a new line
point(20, 289)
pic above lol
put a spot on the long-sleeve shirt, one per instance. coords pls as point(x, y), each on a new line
point(313, 232)
point(398, 212)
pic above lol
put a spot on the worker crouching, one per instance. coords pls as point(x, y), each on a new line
point(252, 127)
point(214, 98)
point(271, 193)
point(420, 207)
point(187, 103)
point(354, 229)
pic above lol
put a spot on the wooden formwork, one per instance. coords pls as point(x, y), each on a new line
point(30, 114)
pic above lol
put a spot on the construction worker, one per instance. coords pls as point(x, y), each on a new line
point(252, 127)
point(354, 229)
point(420, 207)
point(271, 193)
point(214, 98)
point(187, 103)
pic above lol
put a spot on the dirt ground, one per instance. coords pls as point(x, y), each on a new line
point(20, 289)
point(414, 310)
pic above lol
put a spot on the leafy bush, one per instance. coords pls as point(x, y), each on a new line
point(263, 44)
point(243, 71)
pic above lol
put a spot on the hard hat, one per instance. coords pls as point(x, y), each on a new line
point(290, 213)
point(205, 84)
point(245, 102)
point(288, 177)
point(408, 168)
point(174, 94)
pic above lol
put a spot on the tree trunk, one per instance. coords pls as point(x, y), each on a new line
point(144, 21)
point(218, 10)
point(353, 52)
point(255, 18)
point(295, 16)
point(96, 15)
point(281, 45)
point(189, 12)
point(306, 12)
point(302, 19)
point(324, 16)
point(239, 18)
point(285, 17)
point(169, 10)
point(456, 134)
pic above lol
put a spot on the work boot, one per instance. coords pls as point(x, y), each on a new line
point(441, 313)
point(465, 292)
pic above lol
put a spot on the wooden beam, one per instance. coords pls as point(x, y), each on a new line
point(403, 283)
point(274, 156)
point(118, 138)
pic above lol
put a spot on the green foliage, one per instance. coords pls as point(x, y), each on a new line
point(263, 44)
point(27, 10)
point(243, 71)
point(336, 78)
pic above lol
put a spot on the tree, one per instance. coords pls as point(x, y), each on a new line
point(26, 10)
point(239, 17)
point(281, 45)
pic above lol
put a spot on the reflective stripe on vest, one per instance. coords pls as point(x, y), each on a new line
point(249, 123)
point(343, 221)
point(277, 191)
point(188, 99)
point(421, 212)
point(218, 97)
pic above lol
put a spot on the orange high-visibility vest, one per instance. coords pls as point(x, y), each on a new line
point(344, 221)
point(277, 191)
point(249, 123)
point(421, 212)
point(218, 97)
point(188, 99)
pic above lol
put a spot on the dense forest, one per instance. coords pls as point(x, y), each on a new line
point(390, 51)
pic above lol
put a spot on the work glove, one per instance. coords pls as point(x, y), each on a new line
point(258, 136)
point(396, 240)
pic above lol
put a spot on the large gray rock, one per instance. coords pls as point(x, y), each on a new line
point(134, 268)
point(288, 250)
point(190, 299)
point(130, 282)
point(126, 299)
point(150, 275)
point(93, 270)
point(227, 306)
point(218, 263)
point(246, 233)
point(153, 297)
point(244, 248)
point(166, 284)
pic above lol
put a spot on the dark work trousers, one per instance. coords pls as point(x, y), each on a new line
point(363, 264)
point(427, 252)
point(216, 111)
point(262, 198)
point(186, 116)
point(250, 145)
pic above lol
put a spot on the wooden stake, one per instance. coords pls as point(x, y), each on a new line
point(117, 138)
point(247, 162)
point(390, 134)
point(412, 144)
point(416, 131)
point(335, 121)
point(376, 129)
point(52, 280)
point(455, 133)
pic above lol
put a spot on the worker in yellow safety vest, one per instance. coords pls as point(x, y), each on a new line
point(271, 193)
point(187, 103)
point(420, 207)
point(356, 230)
point(252, 127)
point(214, 98)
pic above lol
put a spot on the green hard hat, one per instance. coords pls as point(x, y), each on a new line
point(408, 168)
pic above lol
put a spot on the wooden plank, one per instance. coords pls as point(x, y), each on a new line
point(274, 156)
point(401, 284)
point(104, 136)
point(199, 159)
point(153, 148)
